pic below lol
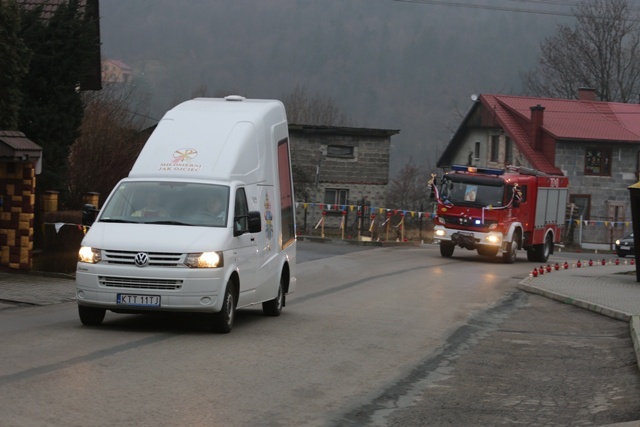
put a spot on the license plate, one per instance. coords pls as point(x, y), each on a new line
point(465, 233)
point(138, 300)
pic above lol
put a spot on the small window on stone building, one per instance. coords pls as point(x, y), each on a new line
point(476, 151)
point(597, 161)
point(336, 198)
point(582, 203)
point(340, 151)
point(495, 148)
point(508, 151)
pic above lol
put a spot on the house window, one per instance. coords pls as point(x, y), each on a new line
point(582, 203)
point(340, 151)
point(597, 162)
point(508, 151)
point(336, 198)
point(476, 151)
point(495, 148)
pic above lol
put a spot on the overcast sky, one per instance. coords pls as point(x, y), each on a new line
point(407, 65)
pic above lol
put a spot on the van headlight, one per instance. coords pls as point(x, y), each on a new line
point(204, 260)
point(89, 255)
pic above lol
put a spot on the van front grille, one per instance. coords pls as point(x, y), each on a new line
point(157, 259)
point(140, 283)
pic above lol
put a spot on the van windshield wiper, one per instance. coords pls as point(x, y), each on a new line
point(122, 221)
point(166, 223)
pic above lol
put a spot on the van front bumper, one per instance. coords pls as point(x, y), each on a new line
point(187, 290)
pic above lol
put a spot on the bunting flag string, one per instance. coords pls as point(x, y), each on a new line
point(431, 215)
point(58, 226)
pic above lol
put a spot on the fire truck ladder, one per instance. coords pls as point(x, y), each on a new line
point(526, 171)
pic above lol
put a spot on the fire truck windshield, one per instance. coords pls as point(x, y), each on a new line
point(472, 191)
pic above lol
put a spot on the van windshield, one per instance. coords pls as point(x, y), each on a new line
point(173, 203)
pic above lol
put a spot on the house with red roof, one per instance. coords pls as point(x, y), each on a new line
point(596, 144)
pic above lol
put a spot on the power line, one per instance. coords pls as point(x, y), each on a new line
point(489, 7)
point(511, 9)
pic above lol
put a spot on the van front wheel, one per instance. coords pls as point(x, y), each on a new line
point(223, 321)
point(91, 316)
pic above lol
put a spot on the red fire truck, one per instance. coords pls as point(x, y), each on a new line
point(500, 211)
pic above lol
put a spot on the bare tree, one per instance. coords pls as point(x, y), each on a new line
point(601, 52)
point(409, 189)
point(317, 110)
point(109, 143)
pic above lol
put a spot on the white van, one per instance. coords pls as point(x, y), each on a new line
point(160, 244)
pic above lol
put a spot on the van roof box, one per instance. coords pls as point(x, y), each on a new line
point(214, 139)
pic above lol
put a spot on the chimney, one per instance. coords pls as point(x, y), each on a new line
point(535, 134)
point(586, 94)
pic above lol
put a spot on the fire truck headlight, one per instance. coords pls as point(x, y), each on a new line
point(440, 233)
point(493, 238)
point(477, 221)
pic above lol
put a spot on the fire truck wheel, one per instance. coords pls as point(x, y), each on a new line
point(546, 248)
point(446, 249)
point(510, 255)
point(540, 253)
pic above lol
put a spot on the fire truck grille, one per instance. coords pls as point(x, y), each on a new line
point(467, 222)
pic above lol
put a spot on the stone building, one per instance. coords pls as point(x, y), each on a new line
point(596, 144)
point(336, 170)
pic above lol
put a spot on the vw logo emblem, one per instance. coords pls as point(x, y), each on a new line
point(141, 259)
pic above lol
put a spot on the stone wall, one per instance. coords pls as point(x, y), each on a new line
point(17, 186)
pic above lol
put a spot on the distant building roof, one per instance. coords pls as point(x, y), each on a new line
point(341, 130)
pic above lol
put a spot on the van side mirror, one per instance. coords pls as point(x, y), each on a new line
point(89, 213)
point(255, 222)
point(249, 223)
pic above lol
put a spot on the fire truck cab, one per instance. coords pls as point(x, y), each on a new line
point(497, 211)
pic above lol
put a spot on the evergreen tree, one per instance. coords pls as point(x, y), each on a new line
point(15, 64)
point(52, 109)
